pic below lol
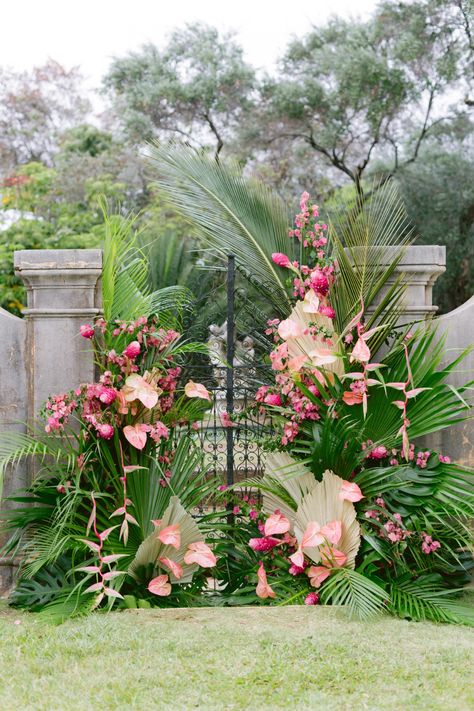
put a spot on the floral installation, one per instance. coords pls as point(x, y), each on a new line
point(353, 511)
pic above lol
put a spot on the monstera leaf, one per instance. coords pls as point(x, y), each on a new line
point(285, 483)
point(323, 504)
point(151, 549)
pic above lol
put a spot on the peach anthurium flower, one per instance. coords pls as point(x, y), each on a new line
point(137, 388)
point(311, 302)
point(136, 435)
point(289, 329)
point(312, 537)
point(350, 492)
point(175, 568)
point(331, 557)
point(332, 531)
point(263, 589)
point(160, 586)
point(192, 389)
point(276, 523)
point(171, 536)
point(317, 574)
point(201, 554)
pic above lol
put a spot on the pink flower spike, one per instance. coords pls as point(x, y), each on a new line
point(350, 492)
point(192, 389)
point(171, 536)
point(263, 589)
point(201, 554)
point(332, 531)
point(276, 523)
point(317, 574)
point(281, 259)
point(175, 568)
point(136, 435)
point(160, 586)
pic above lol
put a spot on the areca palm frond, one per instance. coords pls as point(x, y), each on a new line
point(359, 594)
point(231, 213)
point(425, 599)
point(369, 237)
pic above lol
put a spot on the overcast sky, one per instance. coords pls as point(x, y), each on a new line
point(89, 33)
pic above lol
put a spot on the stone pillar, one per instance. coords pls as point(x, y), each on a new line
point(62, 292)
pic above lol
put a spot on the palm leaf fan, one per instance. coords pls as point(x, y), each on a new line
point(285, 484)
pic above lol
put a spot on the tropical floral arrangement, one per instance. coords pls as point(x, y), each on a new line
point(354, 512)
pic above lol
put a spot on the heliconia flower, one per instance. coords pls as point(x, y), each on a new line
point(276, 523)
point(350, 492)
point(171, 536)
point(201, 554)
point(87, 331)
point(289, 329)
point(352, 398)
point(132, 350)
point(332, 531)
point(160, 586)
point(317, 574)
point(175, 568)
point(311, 598)
point(332, 557)
point(263, 589)
point(136, 435)
point(311, 302)
point(262, 545)
point(192, 389)
point(105, 431)
point(360, 352)
point(281, 259)
point(137, 388)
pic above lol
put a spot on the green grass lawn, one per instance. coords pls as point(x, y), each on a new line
point(246, 658)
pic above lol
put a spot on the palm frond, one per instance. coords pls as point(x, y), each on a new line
point(424, 599)
point(361, 595)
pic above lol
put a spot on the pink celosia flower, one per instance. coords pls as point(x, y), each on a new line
point(175, 568)
point(160, 586)
point(317, 574)
point(276, 523)
point(281, 259)
point(201, 554)
point(137, 388)
point(263, 544)
point(263, 589)
point(311, 599)
point(105, 431)
point(132, 350)
point(198, 390)
point(171, 536)
point(87, 331)
point(136, 435)
point(350, 492)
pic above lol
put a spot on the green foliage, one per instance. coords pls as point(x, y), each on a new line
point(362, 597)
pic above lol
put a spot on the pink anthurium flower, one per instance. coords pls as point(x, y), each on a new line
point(295, 364)
point(201, 554)
point(136, 435)
point(317, 574)
point(331, 557)
point(289, 329)
point(350, 492)
point(192, 389)
point(175, 568)
point(263, 589)
point(137, 388)
point(297, 558)
point(311, 302)
point(312, 536)
point(171, 536)
point(276, 523)
point(160, 586)
point(332, 531)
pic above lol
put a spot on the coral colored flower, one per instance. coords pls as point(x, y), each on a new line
point(137, 388)
point(175, 568)
point(350, 492)
point(136, 435)
point(171, 536)
point(263, 589)
point(311, 599)
point(87, 331)
point(105, 431)
point(160, 586)
point(276, 523)
point(352, 398)
point(201, 554)
point(332, 557)
point(317, 574)
point(281, 259)
point(332, 531)
point(192, 389)
point(132, 350)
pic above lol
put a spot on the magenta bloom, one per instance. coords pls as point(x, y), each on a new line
point(107, 395)
point(281, 259)
point(263, 544)
point(132, 350)
point(311, 599)
point(87, 331)
point(105, 431)
point(378, 453)
point(273, 399)
point(295, 569)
